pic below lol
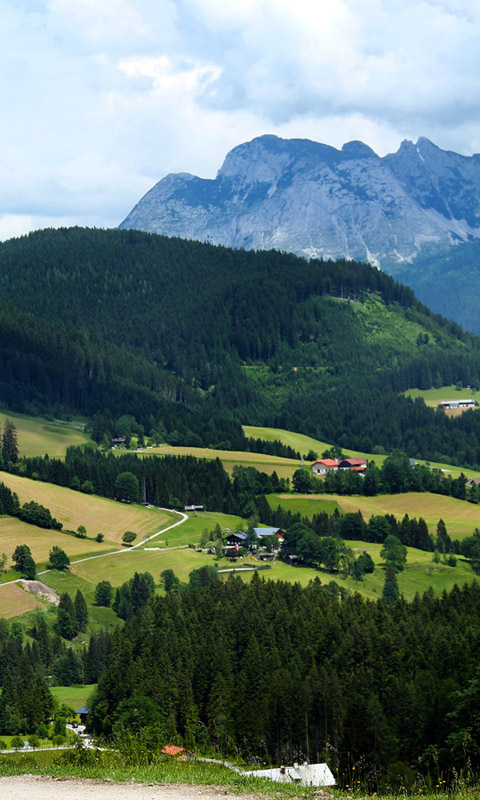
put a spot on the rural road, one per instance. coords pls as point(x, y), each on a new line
point(40, 787)
point(183, 519)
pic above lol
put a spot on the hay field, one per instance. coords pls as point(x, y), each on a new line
point(284, 467)
point(40, 541)
point(97, 514)
point(37, 436)
point(120, 567)
point(460, 517)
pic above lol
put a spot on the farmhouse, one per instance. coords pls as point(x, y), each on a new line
point(447, 404)
point(266, 533)
point(354, 464)
point(324, 465)
point(473, 482)
point(237, 538)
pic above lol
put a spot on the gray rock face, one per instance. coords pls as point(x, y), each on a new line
point(314, 200)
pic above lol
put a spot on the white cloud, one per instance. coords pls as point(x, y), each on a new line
point(100, 100)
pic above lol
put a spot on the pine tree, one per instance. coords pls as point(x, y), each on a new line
point(81, 611)
point(9, 443)
point(390, 591)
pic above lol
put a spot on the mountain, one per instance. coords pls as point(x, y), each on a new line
point(316, 201)
point(313, 200)
point(196, 339)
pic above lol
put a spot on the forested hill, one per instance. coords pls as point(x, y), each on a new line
point(184, 332)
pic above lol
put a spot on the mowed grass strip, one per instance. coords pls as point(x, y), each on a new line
point(460, 517)
point(284, 467)
point(97, 514)
point(14, 601)
point(37, 436)
point(40, 541)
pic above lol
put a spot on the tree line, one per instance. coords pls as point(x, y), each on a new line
point(286, 673)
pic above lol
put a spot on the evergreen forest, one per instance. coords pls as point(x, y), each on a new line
point(194, 340)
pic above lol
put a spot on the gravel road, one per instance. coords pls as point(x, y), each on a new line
point(38, 787)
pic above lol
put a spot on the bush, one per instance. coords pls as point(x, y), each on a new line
point(99, 537)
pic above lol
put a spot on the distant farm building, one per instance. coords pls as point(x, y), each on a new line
point(473, 482)
point(450, 404)
point(324, 465)
point(353, 464)
point(238, 538)
point(266, 533)
point(193, 507)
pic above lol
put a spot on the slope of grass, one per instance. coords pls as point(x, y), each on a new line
point(97, 514)
point(460, 517)
point(37, 436)
point(73, 696)
point(284, 467)
point(14, 531)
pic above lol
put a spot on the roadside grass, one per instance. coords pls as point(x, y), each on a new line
point(115, 767)
point(461, 518)
point(284, 467)
point(37, 436)
point(97, 514)
point(73, 696)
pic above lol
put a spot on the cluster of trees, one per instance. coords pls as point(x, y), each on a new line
point(72, 615)
point(286, 673)
point(321, 372)
point(395, 476)
point(131, 596)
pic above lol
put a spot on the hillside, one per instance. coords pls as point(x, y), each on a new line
point(193, 340)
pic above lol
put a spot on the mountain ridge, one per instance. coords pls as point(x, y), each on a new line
point(319, 201)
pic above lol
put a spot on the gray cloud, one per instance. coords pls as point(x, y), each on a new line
point(100, 100)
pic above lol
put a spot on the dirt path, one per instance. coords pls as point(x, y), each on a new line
point(18, 787)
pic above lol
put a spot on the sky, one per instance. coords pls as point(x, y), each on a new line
point(100, 99)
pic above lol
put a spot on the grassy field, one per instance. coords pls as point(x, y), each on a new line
point(304, 443)
point(73, 696)
point(37, 436)
point(41, 541)
point(432, 397)
point(461, 518)
point(97, 514)
point(284, 467)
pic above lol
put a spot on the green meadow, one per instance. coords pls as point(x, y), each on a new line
point(37, 436)
point(460, 517)
point(432, 397)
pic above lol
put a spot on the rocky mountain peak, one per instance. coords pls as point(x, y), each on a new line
point(315, 200)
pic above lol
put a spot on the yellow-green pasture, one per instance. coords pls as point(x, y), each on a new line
point(37, 436)
point(97, 514)
point(15, 600)
point(460, 517)
point(73, 696)
point(304, 443)
point(190, 532)
point(41, 541)
point(432, 397)
point(284, 467)
point(120, 567)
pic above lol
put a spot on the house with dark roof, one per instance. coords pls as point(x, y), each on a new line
point(353, 464)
